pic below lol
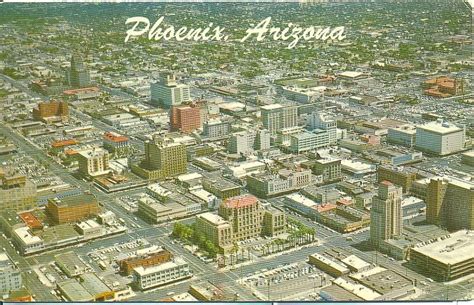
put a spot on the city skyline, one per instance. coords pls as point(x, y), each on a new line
point(233, 170)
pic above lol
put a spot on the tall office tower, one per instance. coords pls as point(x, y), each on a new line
point(78, 75)
point(275, 117)
point(93, 162)
point(386, 214)
point(163, 159)
point(323, 120)
point(16, 191)
point(167, 92)
point(185, 118)
point(450, 203)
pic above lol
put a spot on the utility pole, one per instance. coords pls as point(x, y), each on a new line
point(268, 290)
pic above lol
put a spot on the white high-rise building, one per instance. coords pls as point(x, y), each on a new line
point(386, 213)
point(167, 92)
point(440, 138)
point(323, 120)
point(276, 117)
point(10, 275)
point(93, 162)
point(246, 142)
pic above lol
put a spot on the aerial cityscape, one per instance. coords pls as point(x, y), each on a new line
point(137, 169)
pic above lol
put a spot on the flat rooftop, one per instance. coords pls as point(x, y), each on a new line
point(271, 107)
point(440, 128)
point(355, 262)
point(452, 249)
point(160, 268)
point(213, 218)
point(327, 261)
point(381, 280)
point(75, 200)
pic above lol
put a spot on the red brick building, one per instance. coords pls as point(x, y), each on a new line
point(185, 118)
point(146, 260)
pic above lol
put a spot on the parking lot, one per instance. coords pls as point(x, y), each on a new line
point(104, 259)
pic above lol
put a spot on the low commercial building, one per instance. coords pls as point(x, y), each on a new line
point(356, 264)
point(283, 136)
point(244, 169)
point(364, 200)
point(157, 212)
point(89, 229)
point(412, 206)
point(344, 218)
point(267, 185)
point(221, 187)
point(354, 145)
point(29, 236)
point(165, 273)
point(209, 292)
point(388, 284)
point(328, 265)
point(357, 169)
point(446, 258)
point(87, 287)
point(304, 95)
point(301, 204)
point(71, 264)
point(122, 120)
point(206, 163)
point(321, 194)
point(146, 259)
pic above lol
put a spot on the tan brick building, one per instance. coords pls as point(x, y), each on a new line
point(72, 209)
